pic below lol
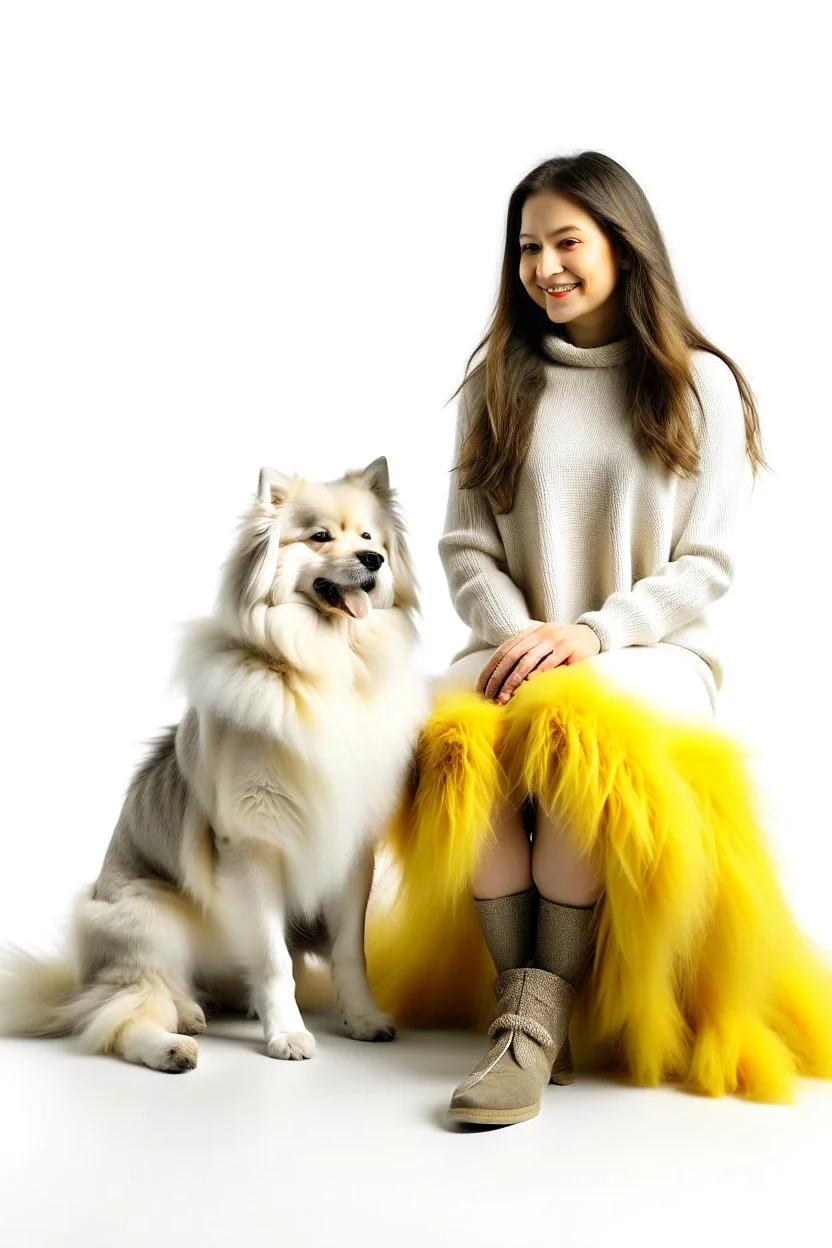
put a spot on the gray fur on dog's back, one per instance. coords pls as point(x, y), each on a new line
point(147, 840)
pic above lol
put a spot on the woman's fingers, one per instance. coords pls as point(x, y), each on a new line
point(505, 657)
point(554, 660)
point(495, 681)
point(529, 663)
point(503, 669)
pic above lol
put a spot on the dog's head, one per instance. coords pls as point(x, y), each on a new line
point(339, 545)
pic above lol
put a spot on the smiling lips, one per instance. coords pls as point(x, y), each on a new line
point(560, 292)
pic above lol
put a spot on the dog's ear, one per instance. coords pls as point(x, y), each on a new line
point(377, 476)
point(405, 585)
point(273, 487)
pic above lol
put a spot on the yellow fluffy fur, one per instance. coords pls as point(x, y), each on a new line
point(701, 973)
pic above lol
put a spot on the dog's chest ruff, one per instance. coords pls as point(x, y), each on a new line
point(303, 743)
point(325, 789)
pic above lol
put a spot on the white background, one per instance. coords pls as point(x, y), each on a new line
point(252, 233)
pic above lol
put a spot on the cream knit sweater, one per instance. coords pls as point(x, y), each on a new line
point(598, 534)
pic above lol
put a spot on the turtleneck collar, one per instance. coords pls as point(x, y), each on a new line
point(563, 352)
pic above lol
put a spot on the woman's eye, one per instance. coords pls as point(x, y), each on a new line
point(322, 536)
point(366, 537)
point(567, 242)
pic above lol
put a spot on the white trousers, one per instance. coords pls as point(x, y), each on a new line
point(669, 682)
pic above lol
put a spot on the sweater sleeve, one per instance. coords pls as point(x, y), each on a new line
point(707, 507)
point(474, 558)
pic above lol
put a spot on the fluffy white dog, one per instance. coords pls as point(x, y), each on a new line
point(246, 837)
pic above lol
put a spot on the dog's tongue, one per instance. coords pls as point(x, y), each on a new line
point(356, 602)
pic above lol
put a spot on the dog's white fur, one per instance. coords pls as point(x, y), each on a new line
point(247, 836)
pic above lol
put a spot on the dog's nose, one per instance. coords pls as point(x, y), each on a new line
point(370, 559)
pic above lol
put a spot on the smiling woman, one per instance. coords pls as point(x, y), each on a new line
point(578, 260)
point(574, 799)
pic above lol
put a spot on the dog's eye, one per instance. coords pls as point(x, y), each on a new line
point(322, 536)
point(366, 537)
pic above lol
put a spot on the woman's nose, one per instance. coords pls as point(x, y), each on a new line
point(548, 265)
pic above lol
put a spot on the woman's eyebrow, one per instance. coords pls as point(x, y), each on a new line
point(563, 230)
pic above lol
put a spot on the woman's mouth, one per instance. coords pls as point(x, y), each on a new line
point(560, 292)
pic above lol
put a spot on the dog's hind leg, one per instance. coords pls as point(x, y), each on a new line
point(149, 1044)
point(345, 919)
point(190, 1017)
point(148, 1036)
point(135, 964)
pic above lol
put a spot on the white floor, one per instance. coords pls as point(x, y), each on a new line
point(354, 1148)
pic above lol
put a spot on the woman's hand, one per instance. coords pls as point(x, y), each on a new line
point(536, 649)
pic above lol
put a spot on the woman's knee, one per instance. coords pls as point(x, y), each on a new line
point(506, 864)
point(559, 870)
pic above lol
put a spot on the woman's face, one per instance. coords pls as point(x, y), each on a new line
point(570, 268)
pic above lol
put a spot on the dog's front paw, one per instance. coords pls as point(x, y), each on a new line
point(292, 1046)
point(378, 1026)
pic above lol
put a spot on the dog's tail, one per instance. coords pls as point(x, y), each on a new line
point(36, 994)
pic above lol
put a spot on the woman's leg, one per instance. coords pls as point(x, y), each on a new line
point(534, 1000)
point(505, 900)
point(506, 866)
point(538, 960)
point(560, 873)
point(569, 889)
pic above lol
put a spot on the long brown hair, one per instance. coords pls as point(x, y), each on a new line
point(507, 382)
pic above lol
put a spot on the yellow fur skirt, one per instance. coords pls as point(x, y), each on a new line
point(701, 974)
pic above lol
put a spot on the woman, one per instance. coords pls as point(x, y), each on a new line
point(604, 447)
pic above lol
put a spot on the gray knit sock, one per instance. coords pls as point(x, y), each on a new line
point(509, 925)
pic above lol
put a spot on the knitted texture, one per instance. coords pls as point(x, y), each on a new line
point(598, 533)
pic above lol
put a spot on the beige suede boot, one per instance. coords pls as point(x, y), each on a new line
point(565, 946)
point(510, 928)
point(530, 1029)
point(532, 1018)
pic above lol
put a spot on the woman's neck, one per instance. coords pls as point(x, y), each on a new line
point(598, 328)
